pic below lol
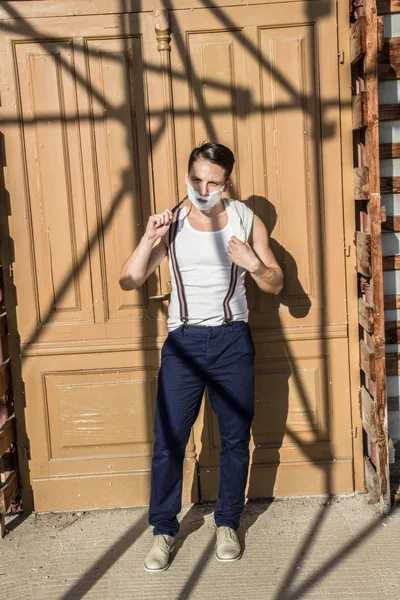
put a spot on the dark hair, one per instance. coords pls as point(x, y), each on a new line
point(215, 153)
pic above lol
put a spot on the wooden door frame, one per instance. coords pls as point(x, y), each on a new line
point(349, 224)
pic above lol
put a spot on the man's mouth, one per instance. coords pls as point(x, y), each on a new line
point(203, 200)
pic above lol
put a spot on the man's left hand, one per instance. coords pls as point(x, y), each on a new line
point(242, 254)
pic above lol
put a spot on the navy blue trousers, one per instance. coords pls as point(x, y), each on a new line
point(221, 359)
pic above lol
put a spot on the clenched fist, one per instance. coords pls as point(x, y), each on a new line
point(241, 254)
point(158, 225)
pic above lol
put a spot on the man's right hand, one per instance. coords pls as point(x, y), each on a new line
point(158, 225)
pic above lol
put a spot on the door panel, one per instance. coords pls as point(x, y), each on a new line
point(55, 207)
point(119, 117)
point(218, 109)
point(290, 130)
point(90, 429)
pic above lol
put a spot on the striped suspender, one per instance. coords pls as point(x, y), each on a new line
point(178, 278)
point(228, 297)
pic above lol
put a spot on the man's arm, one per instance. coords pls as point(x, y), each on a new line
point(149, 253)
point(257, 257)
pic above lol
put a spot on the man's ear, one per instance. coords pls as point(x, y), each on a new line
point(186, 177)
point(227, 185)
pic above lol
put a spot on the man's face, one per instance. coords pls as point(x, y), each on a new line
point(206, 177)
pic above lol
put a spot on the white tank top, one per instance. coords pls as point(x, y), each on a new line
point(205, 270)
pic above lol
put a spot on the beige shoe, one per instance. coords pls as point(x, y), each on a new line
point(228, 546)
point(158, 557)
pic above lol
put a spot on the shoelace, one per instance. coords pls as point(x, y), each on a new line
point(228, 533)
point(159, 540)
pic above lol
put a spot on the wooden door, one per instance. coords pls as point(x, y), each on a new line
point(263, 79)
point(98, 124)
point(76, 106)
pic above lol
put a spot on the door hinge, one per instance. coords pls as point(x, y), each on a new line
point(347, 250)
point(26, 453)
point(341, 57)
point(354, 432)
point(11, 272)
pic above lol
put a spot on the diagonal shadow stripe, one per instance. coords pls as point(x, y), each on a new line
point(197, 572)
point(105, 562)
point(334, 561)
point(302, 553)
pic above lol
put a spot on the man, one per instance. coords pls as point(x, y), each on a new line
point(211, 244)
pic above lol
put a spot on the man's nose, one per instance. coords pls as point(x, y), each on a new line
point(203, 189)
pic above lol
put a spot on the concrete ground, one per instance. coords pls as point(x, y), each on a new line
point(294, 548)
